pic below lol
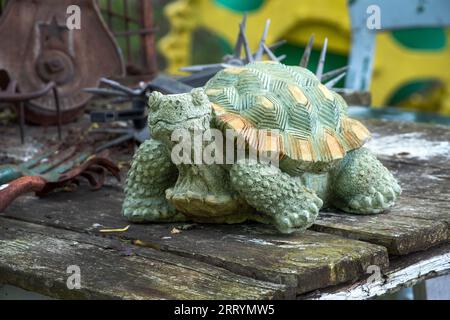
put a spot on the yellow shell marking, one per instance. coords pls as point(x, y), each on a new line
point(334, 146)
point(266, 103)
point(213, 92)
point(298, 94)
point(234, 70)
point(218, 109)
point(327, 93)
point(360, 131)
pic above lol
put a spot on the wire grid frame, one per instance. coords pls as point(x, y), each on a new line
point(131, 22)
point(2, 5)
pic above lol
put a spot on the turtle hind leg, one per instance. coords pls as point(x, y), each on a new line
point(361, 184)
point(151, 173)
point(290, 205)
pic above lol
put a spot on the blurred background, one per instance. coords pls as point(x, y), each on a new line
point(410, 65)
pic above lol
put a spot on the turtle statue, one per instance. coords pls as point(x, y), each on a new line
point(320, 153)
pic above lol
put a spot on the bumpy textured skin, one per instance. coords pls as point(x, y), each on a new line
point(266, 188)
point(151, 173)
point(361, 184)
point(321, 159)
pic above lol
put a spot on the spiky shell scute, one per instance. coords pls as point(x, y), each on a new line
point(308, 122)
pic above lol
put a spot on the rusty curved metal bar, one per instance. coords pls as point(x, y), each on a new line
point(93, 169)
point(10, 95)
point(19, 97)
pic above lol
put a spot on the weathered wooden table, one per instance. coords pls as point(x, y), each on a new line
point(339, 257)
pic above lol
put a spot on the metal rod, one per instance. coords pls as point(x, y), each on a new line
point(269, 52)
point(127, 27)
point(148, 38)
point(260, 50)
point(333, 73)
point(21, 113)
point(239, 41)
point(330, 84)
point(139, 32)
point(277, 44)
point(307, 53)
point(248, 52)
point(58, 112)
point(323, 53)
point(110, 16)
point(118, 86)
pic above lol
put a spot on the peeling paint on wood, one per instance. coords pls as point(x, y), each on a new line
point(420, 220)
point(36, 258)
point(404, 273)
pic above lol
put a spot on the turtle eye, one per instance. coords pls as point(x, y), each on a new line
point(154, 100)
point(199, 97)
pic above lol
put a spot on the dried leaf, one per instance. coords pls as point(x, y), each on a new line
point(115, 230)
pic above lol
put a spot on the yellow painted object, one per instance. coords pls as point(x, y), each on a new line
point(294, 20)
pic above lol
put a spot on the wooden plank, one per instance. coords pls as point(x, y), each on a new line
point(422, 209)
point(417, 143)
point(419, 156)
point(403, 272)
point(421, 181)
point(420, 219)
point(400, 235)
point(36, 257)
point(301, 261)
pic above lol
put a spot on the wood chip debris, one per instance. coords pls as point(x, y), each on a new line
point(115, 230)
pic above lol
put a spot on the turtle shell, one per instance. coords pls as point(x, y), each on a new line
point(302, 119)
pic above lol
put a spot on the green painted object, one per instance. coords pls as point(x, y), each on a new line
point(276, 112)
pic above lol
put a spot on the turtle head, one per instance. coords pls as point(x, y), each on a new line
point(191, 111)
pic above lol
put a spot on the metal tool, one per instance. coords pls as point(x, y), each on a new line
point(12, 95)
point(38, 48)
point(202, 73)
point(48, 175)
point(137, 114)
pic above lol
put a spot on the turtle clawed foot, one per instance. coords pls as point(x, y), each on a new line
point(150, 210)
point(375, 200)
point(298, 217)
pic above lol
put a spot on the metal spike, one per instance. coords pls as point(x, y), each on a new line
point(282, 57)
point(277, 44)
point(333, 73)
point(307, 53)
point(330, 84)
point(200, 67)
point(269, 53)
point(239, 41)
point(323, 53)
point(248, 53)
point(260, 51)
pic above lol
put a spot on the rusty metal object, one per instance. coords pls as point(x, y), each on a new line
point(137, 114)
point(12, 94)
point(93, 169)
point(135, 13)
point(38, 48)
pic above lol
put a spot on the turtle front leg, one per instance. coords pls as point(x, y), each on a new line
point(275, 193)
point(151, 173)
point(361, 184)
